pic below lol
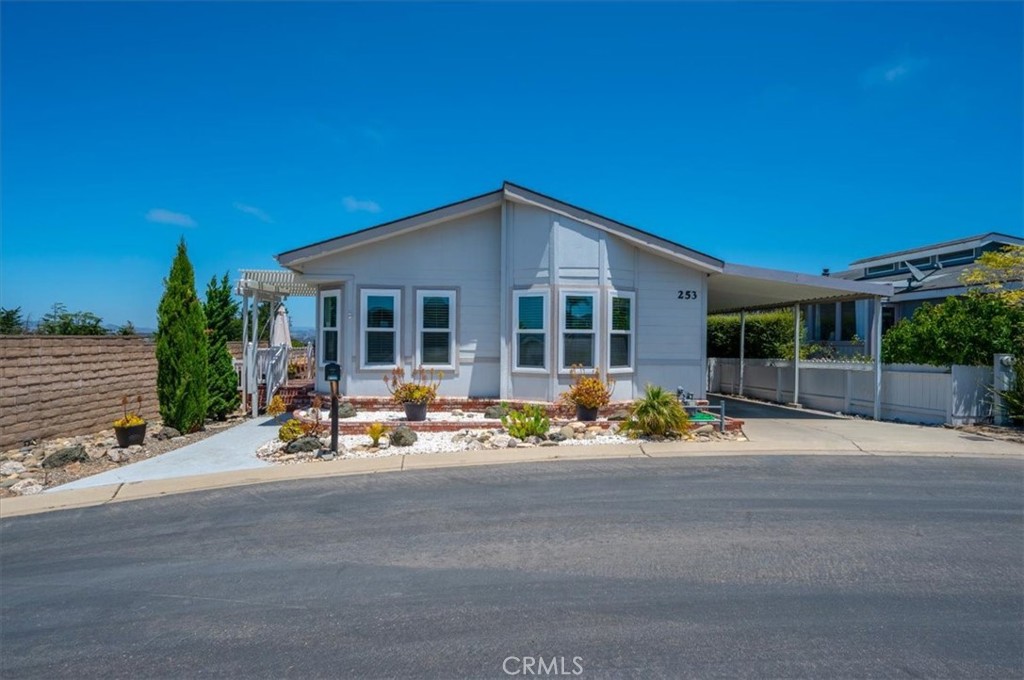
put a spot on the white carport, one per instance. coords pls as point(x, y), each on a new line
point(742, 289)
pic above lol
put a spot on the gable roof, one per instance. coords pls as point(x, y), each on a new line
point(512, 192)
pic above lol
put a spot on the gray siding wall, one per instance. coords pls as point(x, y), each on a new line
point(464, 255)
point(547, 251)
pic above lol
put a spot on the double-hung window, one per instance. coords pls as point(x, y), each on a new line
point(381, 311)
point(621, 315)
point(435, 332)
point(530, 311)
point(577, 326)
point(329, 325)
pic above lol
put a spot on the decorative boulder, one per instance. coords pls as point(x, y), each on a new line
point(495, 412)
point(403, 436)
point(346, 410)
point(621, 414)
point(303, 444)
point(72, 454)
point(557, 437)
point(567, 432)
point(166, 432)
point(26, 487)
point(11, 467)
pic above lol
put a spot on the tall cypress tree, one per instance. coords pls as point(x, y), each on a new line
point(222, 381)
point(181, 349)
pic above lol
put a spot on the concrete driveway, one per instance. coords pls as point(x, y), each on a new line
point(779, 428)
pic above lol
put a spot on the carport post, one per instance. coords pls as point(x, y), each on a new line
point(796, 355)
point(743, 342)
point(876, 341)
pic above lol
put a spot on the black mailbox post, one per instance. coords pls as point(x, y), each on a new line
point(332, 374)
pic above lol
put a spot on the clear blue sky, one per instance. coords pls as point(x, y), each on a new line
point(792, 136)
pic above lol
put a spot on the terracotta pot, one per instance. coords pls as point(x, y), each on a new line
point(583, 413)
point(129, 436)
point(415, 412)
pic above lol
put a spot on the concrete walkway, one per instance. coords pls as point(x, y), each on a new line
point(227, 459)
point(227, 451)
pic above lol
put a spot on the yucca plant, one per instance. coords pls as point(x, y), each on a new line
point(656, 414)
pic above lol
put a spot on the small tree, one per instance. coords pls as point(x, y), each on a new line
point(11, 322)
point(181, 349)
point(994, 270)
point(127, 329)
point(59, 321)
point(221, 311)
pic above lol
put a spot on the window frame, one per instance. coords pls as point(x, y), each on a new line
point(336, 294)
point(452, 296)
point(594, 330)
point(396, 294)
point(545, 330)
point(631, 296)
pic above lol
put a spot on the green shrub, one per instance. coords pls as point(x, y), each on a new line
point(769, 335)
point(291, 430)
point(964, 330)
point(529, 421)
point(657, 413)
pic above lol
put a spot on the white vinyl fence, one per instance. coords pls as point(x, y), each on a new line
point(912, 393)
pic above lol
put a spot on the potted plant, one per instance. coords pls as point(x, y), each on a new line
point(414, 394)
point(588, 393)
point(131, 429)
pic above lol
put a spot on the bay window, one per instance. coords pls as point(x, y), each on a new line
point(577, 330)
point(530, 311)
point(620, 331)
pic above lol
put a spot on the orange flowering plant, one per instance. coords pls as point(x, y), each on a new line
point(588, 390)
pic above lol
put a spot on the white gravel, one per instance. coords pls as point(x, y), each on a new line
point(392, 416)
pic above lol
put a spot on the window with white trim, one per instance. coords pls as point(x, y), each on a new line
point(379, 326)
point(577, 330)
point(330, 325)
point(621, 314)
point(435, 328)
point(530, 320)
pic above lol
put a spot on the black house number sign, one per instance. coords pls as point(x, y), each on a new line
point(687, 295)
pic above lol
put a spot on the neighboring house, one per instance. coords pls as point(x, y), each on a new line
point(504, 292)
point(929, 273)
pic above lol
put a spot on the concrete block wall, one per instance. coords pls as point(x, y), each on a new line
point(71, 385)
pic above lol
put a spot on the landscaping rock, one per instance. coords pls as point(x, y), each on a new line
point(166, 432)
point(577, 426)
point(533, 439)
point(548, 442)
point(71, 454)
point(403, 436)
point(115, 456)
point(346, 410)
point(502, 441)
point(11, 468)
point(558, 436)
point(303, 444)
point(8, 483)
point(495, 412)
point(567, 432)
point(26, 487)
point(514, 442)
point(621, 414)
point(703, 429)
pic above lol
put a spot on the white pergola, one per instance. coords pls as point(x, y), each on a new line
point(257, 286)
point(743, 289)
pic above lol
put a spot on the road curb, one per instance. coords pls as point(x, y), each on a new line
point(132, 491)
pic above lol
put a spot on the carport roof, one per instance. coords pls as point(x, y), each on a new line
point(739, 287)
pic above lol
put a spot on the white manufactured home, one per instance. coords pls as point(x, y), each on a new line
point(505, 291)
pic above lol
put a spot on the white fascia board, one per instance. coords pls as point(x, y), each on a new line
point(840, 286)
point(294, 259)
point(648, 242)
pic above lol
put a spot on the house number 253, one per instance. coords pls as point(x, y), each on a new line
point(687, 295)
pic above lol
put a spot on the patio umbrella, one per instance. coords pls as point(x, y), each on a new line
point(280, 334)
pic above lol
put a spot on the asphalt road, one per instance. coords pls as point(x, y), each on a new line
point(774, 567)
